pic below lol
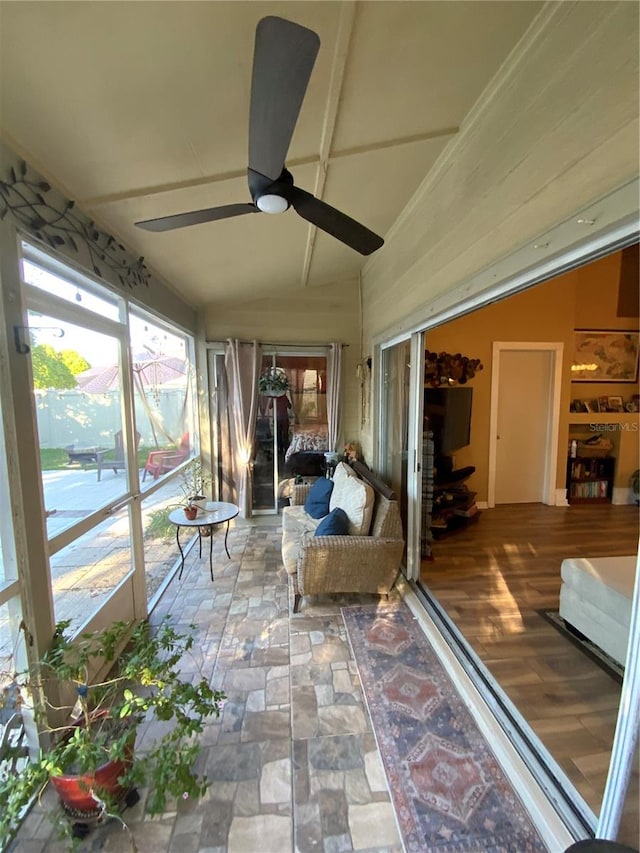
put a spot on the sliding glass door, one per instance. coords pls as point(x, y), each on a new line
point(494, 586)
point(291, 431)
point(291, 426)
point(399, 445)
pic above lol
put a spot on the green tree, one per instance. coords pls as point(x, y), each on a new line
point(74, 361)
point(52, 369)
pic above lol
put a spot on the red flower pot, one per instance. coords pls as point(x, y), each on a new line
point(75, 792)
point(191, 512)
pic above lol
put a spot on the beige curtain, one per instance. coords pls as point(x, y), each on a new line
point(334, 386)
point(242, 365)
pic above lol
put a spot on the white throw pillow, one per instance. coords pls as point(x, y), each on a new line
point(341, 477)
point(355, 497)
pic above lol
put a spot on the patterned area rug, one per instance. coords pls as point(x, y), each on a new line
point(448, 789)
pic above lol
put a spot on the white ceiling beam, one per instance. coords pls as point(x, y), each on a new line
point(221, 177)
point(338, 65)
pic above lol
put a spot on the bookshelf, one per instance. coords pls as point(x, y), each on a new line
point(590, 479)
point(622, 429)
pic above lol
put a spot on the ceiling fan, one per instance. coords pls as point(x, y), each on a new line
point(283, 60)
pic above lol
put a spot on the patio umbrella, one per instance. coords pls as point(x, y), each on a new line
point(149, 371)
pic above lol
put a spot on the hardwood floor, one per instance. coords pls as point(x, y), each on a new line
point(492, 578)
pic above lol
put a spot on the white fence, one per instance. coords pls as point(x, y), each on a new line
point(76, 418)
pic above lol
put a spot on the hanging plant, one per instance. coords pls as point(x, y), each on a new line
point(273, 382)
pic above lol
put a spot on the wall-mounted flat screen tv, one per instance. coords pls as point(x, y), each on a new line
point(448, 415)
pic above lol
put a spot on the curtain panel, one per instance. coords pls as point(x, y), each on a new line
point(242, 366)
point(334, 387)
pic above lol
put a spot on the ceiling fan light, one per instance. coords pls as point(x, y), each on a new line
point(272, 203)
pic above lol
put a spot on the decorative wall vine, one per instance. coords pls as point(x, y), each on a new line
point(442, 368)
point(30, 200)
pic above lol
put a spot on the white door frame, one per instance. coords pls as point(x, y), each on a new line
point(551, 458)
point(414, 438)
point(414, 455)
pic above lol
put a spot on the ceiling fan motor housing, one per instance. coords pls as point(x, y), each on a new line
point(261, 186)
point(283, 59)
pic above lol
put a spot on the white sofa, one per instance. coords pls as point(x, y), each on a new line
point(595, 599)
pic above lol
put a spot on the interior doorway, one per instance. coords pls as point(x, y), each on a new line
point(292, 424)
point(292, 432)
point(526, 387)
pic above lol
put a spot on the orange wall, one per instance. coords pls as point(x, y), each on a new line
point(549, 312)
point(596, 305)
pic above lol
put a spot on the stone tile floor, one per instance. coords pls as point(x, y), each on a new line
point(292, 761)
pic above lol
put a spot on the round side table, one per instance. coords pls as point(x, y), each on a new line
point(215, 512)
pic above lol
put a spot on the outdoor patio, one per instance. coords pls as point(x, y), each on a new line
point(85, 572)
point(292, 761)
point(75, 492)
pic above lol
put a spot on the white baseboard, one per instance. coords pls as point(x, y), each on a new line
point(621, 495)
point(561, 498)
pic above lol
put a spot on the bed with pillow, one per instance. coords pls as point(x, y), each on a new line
point(342, 535)
point(308, 439)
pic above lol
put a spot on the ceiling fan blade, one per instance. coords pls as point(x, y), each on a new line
point(334, 222)
point(283, 60)
point(196, 217)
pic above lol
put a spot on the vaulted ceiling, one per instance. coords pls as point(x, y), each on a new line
point(140, 109)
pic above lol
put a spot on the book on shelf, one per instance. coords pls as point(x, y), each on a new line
point(592, 489)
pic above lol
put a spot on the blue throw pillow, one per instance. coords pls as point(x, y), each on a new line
point(335, 524)
point(317, 502)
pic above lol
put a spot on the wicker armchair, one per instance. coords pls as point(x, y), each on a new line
point(346, 564)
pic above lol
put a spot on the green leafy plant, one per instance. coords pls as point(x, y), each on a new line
point(143, 685)
point(194, 483)
point(158, 525)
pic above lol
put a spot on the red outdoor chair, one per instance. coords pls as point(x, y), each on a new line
point(161, 461)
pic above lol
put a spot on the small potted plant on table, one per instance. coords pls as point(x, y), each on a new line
point(91, 757)
point(193, 484)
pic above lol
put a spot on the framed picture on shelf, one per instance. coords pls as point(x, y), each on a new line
point(605, 356)
point(614, 404)
point(603, 404)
